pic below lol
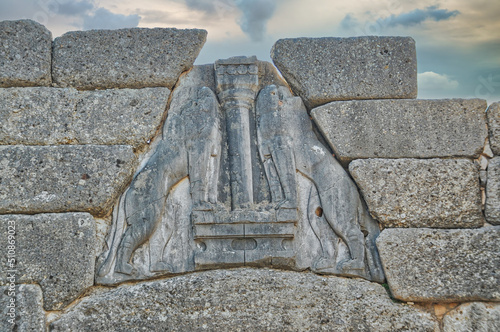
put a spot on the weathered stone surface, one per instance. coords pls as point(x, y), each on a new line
point(36, 116)
point(125, 116)
point(476, 316)
point(26, 311)
point(56, 251)
point(87, 178)
point(237, 85)
point(146, 57)
point(492, 208)
point(287, 146)
point(190, 146)
point(241, 232)
point(25, 54)
point(321, 70)
point(404, 128)
point(438, 193)
point(50, 116)
point(493, 115)
point(245, 300)
point(430, 265)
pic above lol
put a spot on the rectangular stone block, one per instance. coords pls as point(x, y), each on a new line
point(125, 116)
point(431, 265)
point(493, 115)
point(125, 58)
point(321, 70)
point(246, 300)
point(25, 313)
point(51, 116)
point(37, 116)
point(270, 252)
point(87, 178)
point(437, 193)
point(217, 253)
point(492, 208)
point(282, 230)
point(404, 128)
point(25, 54)
point(55, 251)
point(219, 230)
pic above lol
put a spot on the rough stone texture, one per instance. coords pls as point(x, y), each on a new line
point(437, 193)
point(125, 116)
point(404, 128)
point(50, 116)
point(25, 54)
point(321, 70)
point(430, 265)
point(37, 116)
point(245, 300)
point(190, 147)
point(493, 115)
point(28, 312)
point(476, 316)
point(241, 233)
point(87, 178)
point(492, 208)
point(146, 57)
point(56, 251)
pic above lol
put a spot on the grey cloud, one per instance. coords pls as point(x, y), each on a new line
point(201, 5)
point(255, 14)
point(418, 16)
point(210, 7)
point(349, 22)
point(74, 7)
point(104, 19)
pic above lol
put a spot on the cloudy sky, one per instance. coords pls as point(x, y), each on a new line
point(458, 41)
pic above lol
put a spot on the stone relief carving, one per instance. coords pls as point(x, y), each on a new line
point(190, 146)
point(243, 183)
point(288, 145)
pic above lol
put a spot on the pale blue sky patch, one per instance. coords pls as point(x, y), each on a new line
point(105, 19)
point(75, 7)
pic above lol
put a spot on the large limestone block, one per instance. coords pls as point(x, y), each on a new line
point(404, 128)
point(51, 116)
point(55, 251)
point(25, 54)
point(25, 311)
point(125, 116)
point(475, 316)
point(437, 193)
point(493, 115)
point(245, 300)
point(125, 58)
point(321, 70)
point(430, 265)
point(87, 178)
point(37, 116)
point(492, 208)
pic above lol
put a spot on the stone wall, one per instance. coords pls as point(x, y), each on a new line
point(81, 117)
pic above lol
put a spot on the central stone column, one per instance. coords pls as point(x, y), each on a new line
point(237, 86)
